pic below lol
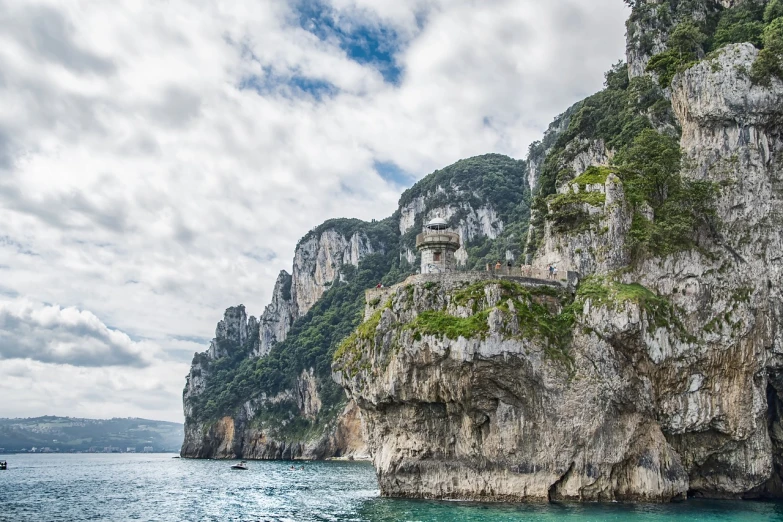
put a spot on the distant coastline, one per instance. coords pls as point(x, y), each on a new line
point(52, 435)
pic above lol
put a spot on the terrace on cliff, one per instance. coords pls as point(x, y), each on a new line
point(437, 245)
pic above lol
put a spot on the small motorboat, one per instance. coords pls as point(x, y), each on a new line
point(241, 465)
point(3, 465)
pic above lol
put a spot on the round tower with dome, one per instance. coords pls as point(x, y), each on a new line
point(438, 246)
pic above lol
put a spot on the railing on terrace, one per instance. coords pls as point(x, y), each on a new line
point(542, 273)
point(518, 271)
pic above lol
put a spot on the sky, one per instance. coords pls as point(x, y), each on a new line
point(159, 159)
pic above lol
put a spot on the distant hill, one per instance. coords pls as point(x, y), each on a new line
point(67, 434)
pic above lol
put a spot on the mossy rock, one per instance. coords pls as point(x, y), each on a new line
point(592, 176)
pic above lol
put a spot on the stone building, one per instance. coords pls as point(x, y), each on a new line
point(438, 246)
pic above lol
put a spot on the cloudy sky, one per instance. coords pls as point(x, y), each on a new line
point(159, 159)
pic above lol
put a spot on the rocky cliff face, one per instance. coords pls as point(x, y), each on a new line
point(467, 393)
point(597, 243)
point(723, 421)
point(318, 260)
point(317, 263)
point(236, 327)
point(250, 436)
point(659, 379)
point(653, 22)
point(278, 315)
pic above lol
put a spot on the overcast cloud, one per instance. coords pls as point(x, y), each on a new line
point(160, 160)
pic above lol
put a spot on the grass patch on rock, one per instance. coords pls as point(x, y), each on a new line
point(444, 325)
point(601, 291)
point(592, 176)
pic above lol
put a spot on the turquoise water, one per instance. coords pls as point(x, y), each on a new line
point(157, 487)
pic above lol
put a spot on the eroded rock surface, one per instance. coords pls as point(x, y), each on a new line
point(507, 413)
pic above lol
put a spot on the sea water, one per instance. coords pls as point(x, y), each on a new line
point(76, 487)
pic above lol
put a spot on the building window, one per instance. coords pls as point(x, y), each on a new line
point(436, 257)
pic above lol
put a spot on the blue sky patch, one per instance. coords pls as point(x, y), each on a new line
point(390, 172)
point(291, 85)
point(373, 45)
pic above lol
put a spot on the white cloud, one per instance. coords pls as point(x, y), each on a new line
point(138, 181)
point(53, 334)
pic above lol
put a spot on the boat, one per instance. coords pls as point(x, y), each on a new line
point(241, 465)
point(3, 465)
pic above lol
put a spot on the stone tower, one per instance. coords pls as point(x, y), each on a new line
point(437, 245)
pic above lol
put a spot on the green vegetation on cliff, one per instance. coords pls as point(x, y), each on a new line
point(347, 227)
point(440, 323)
point(676, 207)
point(612, 118)
point(684, 47)
point(567, 211)
point(594, 175)
point(479, 180)
point(366, 331)
point(693, 36)
point(604, 291)
point(544, 315)
point(633, 120)
point(769, 63)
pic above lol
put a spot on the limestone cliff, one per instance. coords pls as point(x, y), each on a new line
point(278, 315)
point(318, 258)
point(317, 262)
point(716, 396)
point(215, 430)
point(660, 377)
point(255, 433)
point(236, 327)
